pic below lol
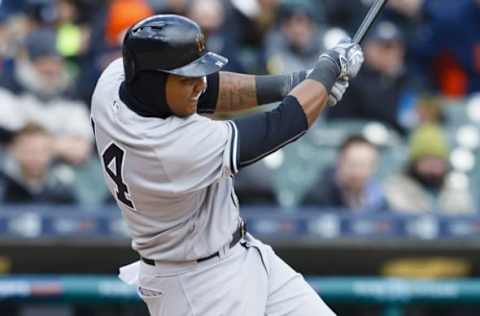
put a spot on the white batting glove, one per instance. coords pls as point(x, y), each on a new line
point(337, 92)
point(348, 56)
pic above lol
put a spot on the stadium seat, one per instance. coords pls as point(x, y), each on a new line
point(304, 160)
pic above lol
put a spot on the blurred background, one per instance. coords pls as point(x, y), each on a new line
point(378, 205)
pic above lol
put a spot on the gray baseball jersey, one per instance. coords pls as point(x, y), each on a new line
point(170, 177)
point(172, 180)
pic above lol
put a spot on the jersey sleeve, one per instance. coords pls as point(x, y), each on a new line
point(200, 153)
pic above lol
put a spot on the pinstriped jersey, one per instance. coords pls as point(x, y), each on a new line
point(171, 178)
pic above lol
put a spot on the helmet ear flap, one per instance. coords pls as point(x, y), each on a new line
point(129, 65)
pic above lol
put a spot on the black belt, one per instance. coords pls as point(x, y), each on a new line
point(236, 236)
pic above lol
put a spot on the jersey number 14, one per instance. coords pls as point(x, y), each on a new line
point(115, 154)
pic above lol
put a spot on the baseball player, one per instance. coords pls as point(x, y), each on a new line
point(170, 169)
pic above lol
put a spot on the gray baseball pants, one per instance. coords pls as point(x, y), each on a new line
point(246, 280)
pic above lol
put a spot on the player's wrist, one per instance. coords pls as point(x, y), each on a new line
point(326, 70)
point(273, 88)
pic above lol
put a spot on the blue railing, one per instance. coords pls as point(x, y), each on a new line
point(267, 222)
point(393, 293)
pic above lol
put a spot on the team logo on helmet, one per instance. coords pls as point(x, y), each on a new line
point(200, 39)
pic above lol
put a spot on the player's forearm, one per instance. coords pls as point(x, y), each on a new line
point(240, 92)
point(236, 92)
point(312, 96)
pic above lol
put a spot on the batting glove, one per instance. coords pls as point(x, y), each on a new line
point(337, 92)
point(348, 56)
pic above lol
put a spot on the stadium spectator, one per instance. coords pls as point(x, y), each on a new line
point(13, 30)
point(27, 175)
point(296, 43)
point(11, 7)
point(348, 14)
point(430, 109)
point(255, 185)
point(379, 90)
point(107, 30)
point(40, 13)
point(210, 15)
point(37, 90)
point(423, 186)
point(64, 17)
point(249, 21)
point(447, 46)
point(121, 15)
point(409, 8)
point(405, 13)
point(4, 42)
point(72, 33)
point(351, 183)
point(169, 6)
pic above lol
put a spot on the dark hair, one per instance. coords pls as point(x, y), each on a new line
point(41, 43)
point(287, 11)
point(355, 139)
point(32, 128)
point(27, 130)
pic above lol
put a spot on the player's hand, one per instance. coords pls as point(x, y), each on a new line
point(337, 92)
point(348, 56)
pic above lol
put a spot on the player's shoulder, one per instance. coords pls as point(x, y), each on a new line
point(108, 83)
point(199, 127)
point(194, 121)
point(113, 72)
point(180, 130)
point(111, 77)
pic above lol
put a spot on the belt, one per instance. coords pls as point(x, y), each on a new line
point(236, 237)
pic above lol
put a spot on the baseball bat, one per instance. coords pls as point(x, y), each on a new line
point(369, 20)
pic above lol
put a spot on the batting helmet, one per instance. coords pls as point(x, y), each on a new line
point(170, 44)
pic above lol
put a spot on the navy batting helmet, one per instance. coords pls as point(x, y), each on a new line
point(170, 44)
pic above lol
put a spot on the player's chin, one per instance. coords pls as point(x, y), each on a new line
point(189, 109)
point(193, 106)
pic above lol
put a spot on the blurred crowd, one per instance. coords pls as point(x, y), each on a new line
point(415, 99)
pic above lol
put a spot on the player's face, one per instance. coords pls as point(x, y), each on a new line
point(182, 94)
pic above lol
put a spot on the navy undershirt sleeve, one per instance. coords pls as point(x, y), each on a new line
point(263, 133)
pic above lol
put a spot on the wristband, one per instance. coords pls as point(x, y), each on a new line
point(326, 71)
point(273, 88)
